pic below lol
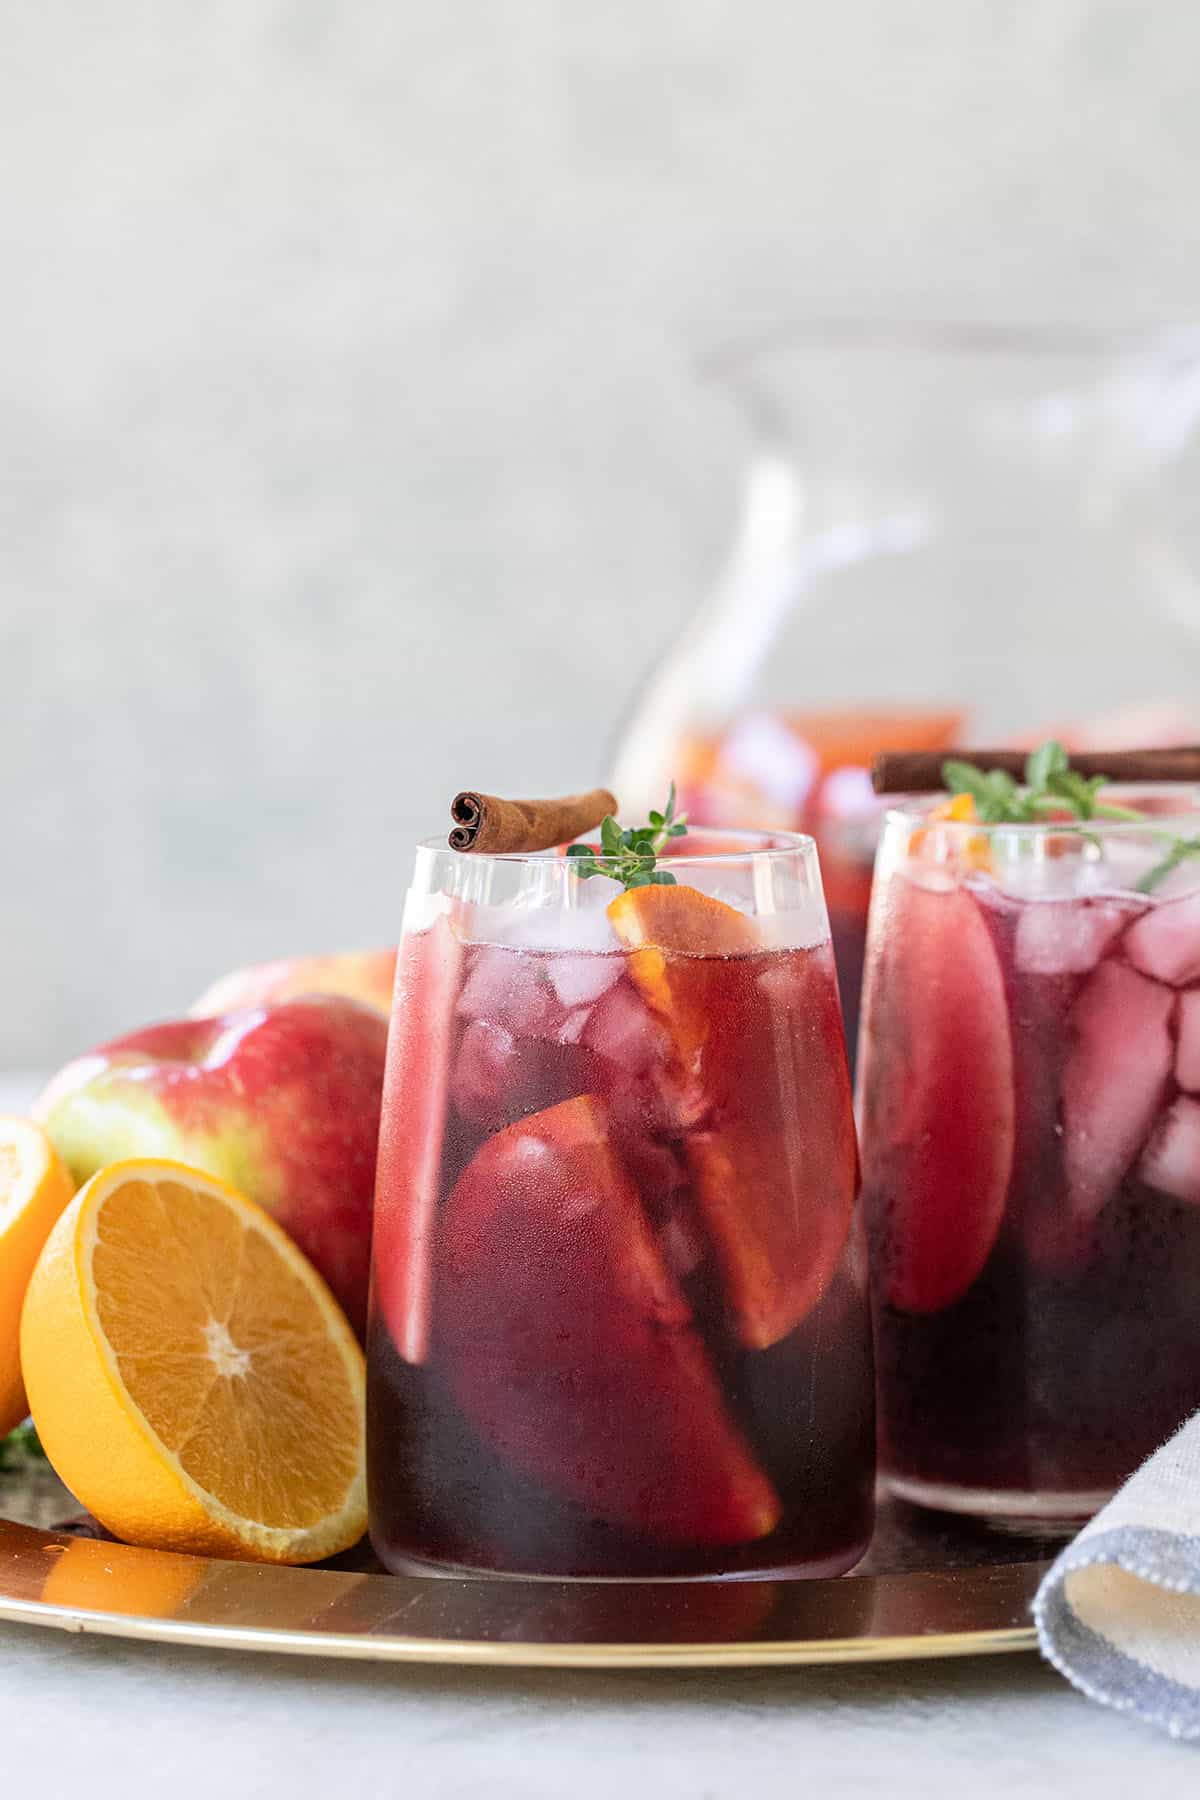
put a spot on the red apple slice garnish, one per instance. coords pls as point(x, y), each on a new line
point(416, 1086)
point(1116, 1077)
point(569, 1346)
point(761, 1057)
point(938, 1103)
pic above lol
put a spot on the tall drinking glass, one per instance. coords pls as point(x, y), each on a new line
point(1029, 1090)
point(619, 1316)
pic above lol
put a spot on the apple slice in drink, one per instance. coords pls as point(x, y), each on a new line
point(937, 1082)
point(1115, 1079)
point(759, 1053)
point(416, 1084)
point(570, 1348)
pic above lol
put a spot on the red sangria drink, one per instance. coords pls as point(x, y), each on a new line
point(1029, 1093)
point(620, 1323)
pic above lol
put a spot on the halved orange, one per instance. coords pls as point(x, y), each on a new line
point(192, 1379)
point(34, 1189)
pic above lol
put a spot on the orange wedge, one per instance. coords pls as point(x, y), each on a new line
point(972, 852)
point(764, 1097)
point(34, 1189)
point(658, 922)
point(192, 1379)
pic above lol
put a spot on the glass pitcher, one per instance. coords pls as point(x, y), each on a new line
point(947, 533)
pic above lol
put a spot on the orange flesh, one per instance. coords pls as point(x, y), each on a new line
point(226, 1353)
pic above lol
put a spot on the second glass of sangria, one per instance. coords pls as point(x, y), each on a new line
point(1029, 1089)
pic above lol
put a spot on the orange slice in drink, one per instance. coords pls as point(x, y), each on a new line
point(192, 1379)
point(761, 1066)
point(34, 1189)
point(658, 923)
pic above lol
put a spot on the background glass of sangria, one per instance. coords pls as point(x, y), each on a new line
point(620, 1323)
point(1029, 1092)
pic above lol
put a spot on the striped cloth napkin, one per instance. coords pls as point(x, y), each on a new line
point(1119, 1612)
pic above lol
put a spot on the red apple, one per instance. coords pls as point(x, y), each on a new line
point(364, 975)
point(282, 1101)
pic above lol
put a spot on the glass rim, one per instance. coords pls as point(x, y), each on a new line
point(750, 846)
point(915, 812)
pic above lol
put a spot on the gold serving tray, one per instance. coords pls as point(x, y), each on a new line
point(929, 1587)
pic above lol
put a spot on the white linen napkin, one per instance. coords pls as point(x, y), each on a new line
point(1119, 1612)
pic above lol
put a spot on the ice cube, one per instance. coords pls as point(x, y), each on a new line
point(543, 922)
point(508, 987)
point(1116, 1075)
point(578, 980)
point(800, 927)
point(622, 1028)
point(1187, 1043)
point(1172, 1159)
point(1068, 937)
point(572, 1027)
point(499, 1078)
point(481, 1069)
point(1165, 943)
point(1051, 866)
point(933, 877)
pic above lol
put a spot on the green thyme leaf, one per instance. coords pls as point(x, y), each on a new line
point(1051, 786)
point(1048, 759)
point(611, 838)
point(629, 856)
point(1181, 849)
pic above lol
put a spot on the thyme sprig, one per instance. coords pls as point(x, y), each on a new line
point(629, 856)
point(1052, 787)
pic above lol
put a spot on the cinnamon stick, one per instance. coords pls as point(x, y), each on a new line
point(490, 826)
point(920, 771)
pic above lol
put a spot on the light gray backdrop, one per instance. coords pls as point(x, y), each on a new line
point(348, 446)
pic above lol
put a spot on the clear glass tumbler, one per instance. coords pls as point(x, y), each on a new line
point(619, 1317)
point(1029, 1095)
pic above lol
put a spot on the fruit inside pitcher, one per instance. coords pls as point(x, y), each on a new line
point(619, 1320)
